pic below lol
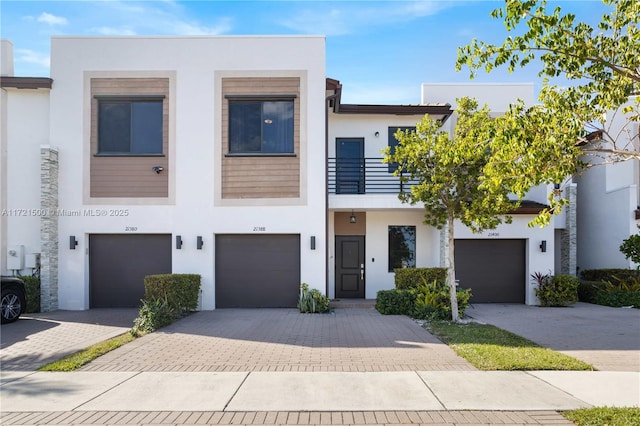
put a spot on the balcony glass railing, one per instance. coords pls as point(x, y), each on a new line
point(363, 176)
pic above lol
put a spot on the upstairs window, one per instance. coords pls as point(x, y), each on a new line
point(261, 127)
point(130, 126)
point(402, 247)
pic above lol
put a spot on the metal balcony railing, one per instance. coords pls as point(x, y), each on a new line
point(363, 176)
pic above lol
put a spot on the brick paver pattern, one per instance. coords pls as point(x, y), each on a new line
point(306, 418)
point(285, 340)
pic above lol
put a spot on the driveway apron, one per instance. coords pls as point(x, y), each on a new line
point(285, 340)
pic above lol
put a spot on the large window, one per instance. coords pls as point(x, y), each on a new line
point(402, 247)
point(261, 126)
point(130, 127)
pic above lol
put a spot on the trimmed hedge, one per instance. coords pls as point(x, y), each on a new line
point(609, 274)
point(33, 294)
point(179, 291)
point(407, 278)
point(618, 298)
point(396, 302)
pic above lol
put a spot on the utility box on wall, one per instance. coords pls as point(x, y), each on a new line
point(15, 257)
point(32, 261)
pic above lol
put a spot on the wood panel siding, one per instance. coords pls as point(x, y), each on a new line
point(343, 226)
point(129, 176)
point(260, 176)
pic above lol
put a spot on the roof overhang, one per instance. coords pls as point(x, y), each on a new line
point(529, 207)
point(26, 82)
point(440, 112)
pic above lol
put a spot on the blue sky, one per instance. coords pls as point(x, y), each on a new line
point(381, 51)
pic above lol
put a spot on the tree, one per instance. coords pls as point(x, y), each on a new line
point(602, 65)
point(447, 175)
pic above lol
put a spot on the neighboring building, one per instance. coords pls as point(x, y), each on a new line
point(609, 203)
point(205, 155)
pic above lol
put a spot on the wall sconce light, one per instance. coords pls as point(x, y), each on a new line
point(352, 218)
point(199, 243)
point(313, 242)
point(157, 169)
point(178, 242)
point(377, 134)
point(543, 246)
point(73, 242)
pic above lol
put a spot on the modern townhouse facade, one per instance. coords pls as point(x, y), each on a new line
point(373, 232)
point(233, 158)
point(183, 155)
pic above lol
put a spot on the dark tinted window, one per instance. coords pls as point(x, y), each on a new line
point(402, 247)
point(129, 127)
point(260, 126)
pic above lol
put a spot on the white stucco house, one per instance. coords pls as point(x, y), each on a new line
point(609, 200)
point(139, 156)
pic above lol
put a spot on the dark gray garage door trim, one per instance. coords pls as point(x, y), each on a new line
point(118, 264)
point(257, 270)
point(494, 269)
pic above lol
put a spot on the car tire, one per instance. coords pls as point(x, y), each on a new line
point(12, 304)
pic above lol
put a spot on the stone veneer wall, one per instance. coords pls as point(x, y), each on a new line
point(49, 228)
point(568, 250)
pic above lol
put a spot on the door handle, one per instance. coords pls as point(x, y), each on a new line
point(361, 272)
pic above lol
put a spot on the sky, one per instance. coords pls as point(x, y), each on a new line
point(381, 51)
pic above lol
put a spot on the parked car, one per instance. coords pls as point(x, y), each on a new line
point(13, 300)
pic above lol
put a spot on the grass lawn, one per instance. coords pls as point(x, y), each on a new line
point(78, 359)
point(491, 348)
point(610, 416)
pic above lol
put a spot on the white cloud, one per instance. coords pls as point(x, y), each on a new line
point(348, 18)
point(32, 57)
point(189, 28)
point(50, 19)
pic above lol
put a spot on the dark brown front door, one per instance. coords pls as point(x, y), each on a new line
point(350, 267)
point(118, 264)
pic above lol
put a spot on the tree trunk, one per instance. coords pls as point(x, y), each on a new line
point(451, 272)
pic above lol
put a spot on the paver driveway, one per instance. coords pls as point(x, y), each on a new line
point(285, 340)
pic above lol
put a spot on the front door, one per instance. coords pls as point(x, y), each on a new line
point(350, 267)
point(350, 166)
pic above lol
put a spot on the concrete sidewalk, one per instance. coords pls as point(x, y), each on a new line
point(45, 392)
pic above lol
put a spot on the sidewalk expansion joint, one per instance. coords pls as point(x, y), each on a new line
point(236, 391)
point(106, 390)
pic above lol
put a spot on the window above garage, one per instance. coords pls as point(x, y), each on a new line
point(130, 126)
point(261, 126)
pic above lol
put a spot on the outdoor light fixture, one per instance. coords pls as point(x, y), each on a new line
point(377, 134)
point(157, 169)
point(313, 242)
point(199, 243)
point(73, 242)
point(352, 218)
point(178, 242)
point(543, 246)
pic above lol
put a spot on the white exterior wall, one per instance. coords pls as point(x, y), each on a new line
point(607, 200)
point(27, 127)
point(194, 66)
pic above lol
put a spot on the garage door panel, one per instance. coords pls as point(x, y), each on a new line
point(493, 269)
point(257, 271)
point(118, 264)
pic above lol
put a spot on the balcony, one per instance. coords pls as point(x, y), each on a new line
point(363, 176)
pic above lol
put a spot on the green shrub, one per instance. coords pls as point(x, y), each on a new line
point(588, 290)
point(630, 247)
point(396, 302)
point(179, 291)
point(609, 274)
point(618, 298)
point(406, 278)
point(33, 294)
point(433, 301)
point(312, 301)
point(559, 290)
point(154, 314)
